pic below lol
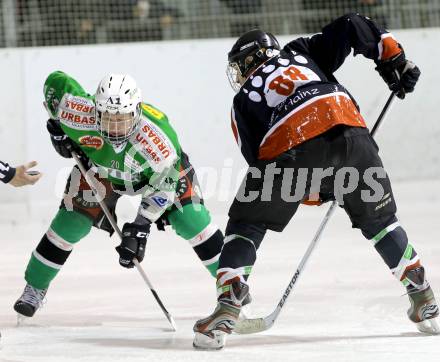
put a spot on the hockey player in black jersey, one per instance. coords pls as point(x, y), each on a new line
point(19, 176)
point(291, 114)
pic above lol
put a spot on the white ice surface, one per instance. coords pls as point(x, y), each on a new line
point(346, 307)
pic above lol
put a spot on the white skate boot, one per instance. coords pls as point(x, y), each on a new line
point(211, 332)
point(29, 302)
point(424, 309)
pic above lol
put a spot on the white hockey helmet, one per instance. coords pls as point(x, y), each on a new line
point(117, 102)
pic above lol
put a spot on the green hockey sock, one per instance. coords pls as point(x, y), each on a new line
point(67, 228)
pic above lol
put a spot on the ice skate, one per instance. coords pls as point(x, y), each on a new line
point(211, 332)
point(424, 309)
point(29, 302)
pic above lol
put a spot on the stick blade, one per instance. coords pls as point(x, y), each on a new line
point(250, 326)
point(172, 322)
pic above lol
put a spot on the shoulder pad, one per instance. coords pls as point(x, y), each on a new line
point(152, 112)
point(154, 145)
point(77, 112)
point(57, 84)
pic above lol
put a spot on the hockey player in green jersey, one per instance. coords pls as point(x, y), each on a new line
point(130, 148)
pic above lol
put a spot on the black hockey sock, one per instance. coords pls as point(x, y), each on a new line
point(238, 254)
point(391, 242)
point(208, 251)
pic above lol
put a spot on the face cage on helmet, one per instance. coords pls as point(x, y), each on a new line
point(234, 74)
point(120, 139)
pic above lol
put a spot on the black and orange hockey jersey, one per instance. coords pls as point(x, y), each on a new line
point(294, 96)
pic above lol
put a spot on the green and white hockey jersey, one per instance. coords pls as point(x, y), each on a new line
point(151, 157)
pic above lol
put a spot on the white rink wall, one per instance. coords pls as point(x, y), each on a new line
point(186, 79)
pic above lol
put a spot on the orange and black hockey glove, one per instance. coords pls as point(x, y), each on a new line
point(400, 74)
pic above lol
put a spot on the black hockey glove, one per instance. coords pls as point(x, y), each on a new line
point(326, 197)
point(62, 144)
point(400, 74)
point(134, 239)
point(162, 222)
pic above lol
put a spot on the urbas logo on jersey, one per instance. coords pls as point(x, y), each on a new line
point(77, 112)
point(76, 118)
point(153, 137)
point(91, 141)
point(76, 106)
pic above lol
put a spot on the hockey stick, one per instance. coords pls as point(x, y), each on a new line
point(113, 223)
point(248, 326)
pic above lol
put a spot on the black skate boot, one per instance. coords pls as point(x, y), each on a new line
point(424, 308)
point(211, 332)
point(30, 301)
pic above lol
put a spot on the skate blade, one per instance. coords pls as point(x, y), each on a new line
point(206, 343)
point(428, 326)
point(21, 320)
